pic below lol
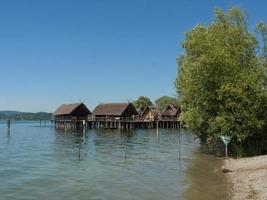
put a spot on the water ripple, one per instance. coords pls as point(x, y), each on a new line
point(43, 163)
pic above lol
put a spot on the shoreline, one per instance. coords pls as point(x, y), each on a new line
point(204, 178)
point(246, 177)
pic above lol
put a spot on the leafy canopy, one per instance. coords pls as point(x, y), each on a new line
point(220, 79)
point(142, 101)
point(164, 101)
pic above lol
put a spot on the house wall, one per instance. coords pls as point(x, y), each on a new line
point(148, 115)
point(69, 117)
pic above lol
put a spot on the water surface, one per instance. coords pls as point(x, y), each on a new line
point(43, 163)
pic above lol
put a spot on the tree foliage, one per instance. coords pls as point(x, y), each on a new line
point(164, 101)
point(142, 101)
point(261, 29)
point(221, 80)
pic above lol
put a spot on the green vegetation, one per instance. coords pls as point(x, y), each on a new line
point(15, 115)
point(222, 82)
point(164, 101)
point(161, 102)
point(142, 102)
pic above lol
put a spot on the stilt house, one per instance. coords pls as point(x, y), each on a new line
point(151, 113)
point(75, 111)
point(141, 110)
point(171, 112)
point(114, 111)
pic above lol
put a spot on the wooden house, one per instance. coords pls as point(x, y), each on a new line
point(114, 111)
point(141, 110)
point(75, 111)
point(151, 113)
point(171, 112)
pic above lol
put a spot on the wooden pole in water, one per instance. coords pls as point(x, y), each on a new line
point(157, 128)
point(84, 135)
point(84, 125)
point(179, 149)
point(8, 124)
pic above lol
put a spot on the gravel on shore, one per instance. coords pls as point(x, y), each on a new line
point(247, 177)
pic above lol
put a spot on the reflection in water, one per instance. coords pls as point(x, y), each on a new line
point(43, 163)
point(8, 131)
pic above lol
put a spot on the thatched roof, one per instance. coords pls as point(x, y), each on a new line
point(156, 111)
point(114, 109)
point(68, 109)
point(171, 110)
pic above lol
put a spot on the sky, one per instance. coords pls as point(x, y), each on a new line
point(96, 51)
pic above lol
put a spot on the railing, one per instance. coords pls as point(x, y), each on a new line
point(169, 118)
point(69, 118)
point(110, 118)
point(114, 118)
point(131, 119)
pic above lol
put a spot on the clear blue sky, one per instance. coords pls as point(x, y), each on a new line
point(62, 51)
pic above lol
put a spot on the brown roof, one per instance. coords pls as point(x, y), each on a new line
point(67, 109)
point(171, 110)
point(156, 111)
point(113, 109)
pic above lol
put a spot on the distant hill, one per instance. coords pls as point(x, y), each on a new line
point(16, 115)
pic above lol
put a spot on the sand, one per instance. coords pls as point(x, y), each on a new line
point(247, 177)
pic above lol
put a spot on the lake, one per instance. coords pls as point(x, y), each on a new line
point(39, 162)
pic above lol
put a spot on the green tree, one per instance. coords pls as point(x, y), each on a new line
point(142, 101)
point(164, 101)
point(261, 29)
point(220, 79)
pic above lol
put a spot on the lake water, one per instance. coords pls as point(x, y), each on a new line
point(43, 163)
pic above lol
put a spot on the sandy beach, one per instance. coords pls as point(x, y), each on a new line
point(247, 177)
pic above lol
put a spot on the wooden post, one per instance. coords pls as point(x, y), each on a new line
point(84, 124)
point(65, 126)
point(84, 138)
point(179, 149)
point(8, 124)
point(157, 128)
